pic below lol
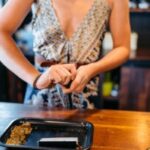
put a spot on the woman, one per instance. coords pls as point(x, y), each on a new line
point(67, 40)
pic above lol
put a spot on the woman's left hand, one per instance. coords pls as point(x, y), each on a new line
point(84, 74)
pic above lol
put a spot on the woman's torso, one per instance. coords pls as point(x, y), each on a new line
point(78, 40)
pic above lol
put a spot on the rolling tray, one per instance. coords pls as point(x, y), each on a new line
point(46, 128)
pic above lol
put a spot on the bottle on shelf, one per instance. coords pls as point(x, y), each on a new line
point(143, 4)
point(115, 90)
point(133, 4)
point(107, 84)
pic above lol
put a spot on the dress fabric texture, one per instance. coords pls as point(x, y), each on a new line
point(83, 47)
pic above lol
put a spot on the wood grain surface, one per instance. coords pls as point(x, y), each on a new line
point(113, 130)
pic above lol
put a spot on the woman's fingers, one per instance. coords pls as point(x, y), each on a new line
point(65, 75)
point(55, 77)
point(61, 73)
point(76, 85)
point(82, 78)
point(68, 78)
point(72, 69)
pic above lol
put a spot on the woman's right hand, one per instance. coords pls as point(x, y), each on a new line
point(60, 73)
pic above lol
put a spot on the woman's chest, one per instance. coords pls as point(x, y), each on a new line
point(71, 13)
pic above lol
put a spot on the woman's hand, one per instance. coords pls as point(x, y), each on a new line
point(84, 74)
point(60, 73)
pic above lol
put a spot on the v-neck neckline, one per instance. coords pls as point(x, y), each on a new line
point(78, 26)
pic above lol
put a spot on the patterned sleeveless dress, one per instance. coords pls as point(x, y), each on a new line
point(83, 47)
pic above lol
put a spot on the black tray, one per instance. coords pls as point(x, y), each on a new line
point(43, 128)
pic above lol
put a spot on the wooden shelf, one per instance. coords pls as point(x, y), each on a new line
point(138, 10)
point(110, 98)
point(141, 55)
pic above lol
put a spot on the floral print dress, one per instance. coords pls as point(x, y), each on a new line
point(83, 47)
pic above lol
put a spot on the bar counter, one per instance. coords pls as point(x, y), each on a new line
point(113, 129)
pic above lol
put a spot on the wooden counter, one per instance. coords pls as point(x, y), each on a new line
point(113, 130)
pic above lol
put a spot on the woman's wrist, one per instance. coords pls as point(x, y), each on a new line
point(36, 80)
point(93, 70)
point(43, 81)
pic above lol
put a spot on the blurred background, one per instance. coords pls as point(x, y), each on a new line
point(126, 87)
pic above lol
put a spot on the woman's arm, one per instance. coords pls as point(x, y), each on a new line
point(120, 29)
point(11, 16)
